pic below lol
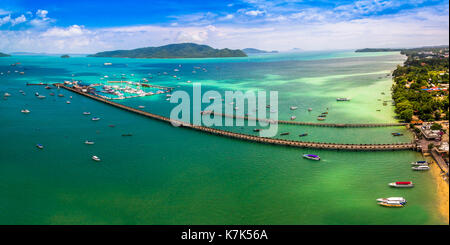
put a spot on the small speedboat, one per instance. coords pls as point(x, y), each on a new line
point(294, 107)
point(141, 106)
point(6, 95)
point(287, 133)
point(392, 204)
point(397, 134)
point(68, 102)
point(39, 146)
point(293, 117)
point(256, 130)
point(87, 142)
point(41, 97)
point(302, 135)
point(420, 163)
point(404, 184)
point(95, 118)
point(342, 99)
point(309, 109)
point(60, 95)
point(320, 119)
point(36, 94)
point(392, 199)
point(96, 158)
point(86, 113)
point(420, 168)
point(311, 157)
point(25, 111)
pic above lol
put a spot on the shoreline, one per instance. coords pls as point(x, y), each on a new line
point(442, 188)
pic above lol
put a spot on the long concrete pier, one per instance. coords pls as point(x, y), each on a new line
point(339, 125)
point(252, 138)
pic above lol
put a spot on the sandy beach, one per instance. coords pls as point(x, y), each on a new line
point(442, 189)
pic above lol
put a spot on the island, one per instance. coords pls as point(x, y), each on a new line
point(377, 50)
point(181, 50)
point(4, 55)
point(258, 51)
point(65, 56)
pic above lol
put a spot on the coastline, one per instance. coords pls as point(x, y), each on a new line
point(442, 188)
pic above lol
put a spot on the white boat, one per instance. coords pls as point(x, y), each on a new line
point(391, 199)
point(68, 102)
point(107, 64)
point(293, 117)
point(342, 99)
point(95, 118)
point(6, 95)
point(420, 163)
point(87, 142)
point(41, 97)
point(309, 109)
point(86, 113)
point(25, 111)
point(294, 107)
point(404, 184)
point(168, 95)
point(141, 106)
point(39, 146)
point(96, 158)
point(311, 157)
point(420, 168)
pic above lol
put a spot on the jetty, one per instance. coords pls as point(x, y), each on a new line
point(251, 138)
point(338, 125)
point(33, 84)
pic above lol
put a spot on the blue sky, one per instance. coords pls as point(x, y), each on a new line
point(85, 26)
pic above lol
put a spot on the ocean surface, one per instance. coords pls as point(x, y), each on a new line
point(168, 175)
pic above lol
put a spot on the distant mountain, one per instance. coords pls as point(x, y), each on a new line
point(182, 50)
point(65, 56)
point(377, 50)
point(257, 51)
point(4, 55)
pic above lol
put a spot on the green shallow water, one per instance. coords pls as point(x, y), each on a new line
point(168, 175)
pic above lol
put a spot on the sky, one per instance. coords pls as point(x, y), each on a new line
point(89, 26)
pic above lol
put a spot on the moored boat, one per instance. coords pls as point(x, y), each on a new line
point(420, 168)
point(342, 99)
point(127, 135)
point(402, 184)
point(86, 113)
point(25, 111)
point(397, 134)
point(68, 102)
point(294, 107)
point(256, 130)
point(95, 118)
point(320, 119)
point(392, 204)
point(420, 163)
point(41, 97)
point(39, 146)
point(293, 117)
point(302, 135)
point(311, 157)
point(286, 133)
point(87, 142)
point(6, 94)
point(391, 199)
point(141, 106)
point(96, 158)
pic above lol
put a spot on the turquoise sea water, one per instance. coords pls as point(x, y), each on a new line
point(168, 175)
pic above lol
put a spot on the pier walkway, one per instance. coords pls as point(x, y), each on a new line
point(339, 125)
point(252, 138)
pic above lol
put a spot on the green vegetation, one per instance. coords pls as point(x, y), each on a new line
point(182, 50)
point(421, 85)
point(4, 55)
point(436, 126)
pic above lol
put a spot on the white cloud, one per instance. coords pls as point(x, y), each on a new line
point(255, 12)
point(42, 13)
point(18, 20)
point(227, 17)
point(71, 31)
point(4, 12)
point(5, 20)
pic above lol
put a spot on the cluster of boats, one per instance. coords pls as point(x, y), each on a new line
point(397, 202)
point(420, 166)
